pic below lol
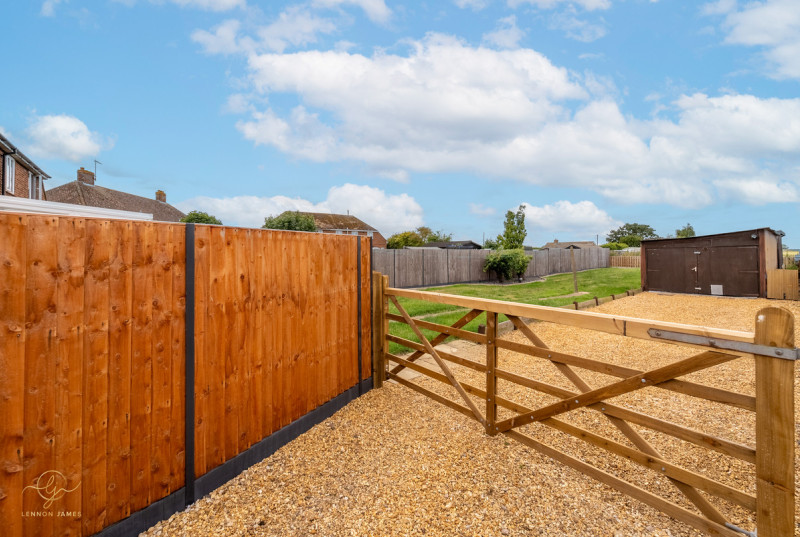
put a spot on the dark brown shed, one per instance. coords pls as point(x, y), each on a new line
point(727, 264)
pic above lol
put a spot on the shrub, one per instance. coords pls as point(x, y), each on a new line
point(614, 245)
point(290, 221)
point(200, 217)
point(507, 263)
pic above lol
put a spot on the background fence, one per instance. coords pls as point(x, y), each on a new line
point(626, 261)
point(783, 284)
point(428, 266)
point(93, 356)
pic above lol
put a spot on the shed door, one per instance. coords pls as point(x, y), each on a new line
point(735, 268)
point(696, 263)
point(666, 270)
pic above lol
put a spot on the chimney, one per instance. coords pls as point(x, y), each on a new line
point(85, 176)
point(555, 241)
point(161, 196)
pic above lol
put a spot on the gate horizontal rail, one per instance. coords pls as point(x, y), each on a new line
point(771, 345)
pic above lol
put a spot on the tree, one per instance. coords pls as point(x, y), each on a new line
point(398, 241)
point(635, 232)
point(419, 237)
point(491, 244)
point(199, 217)
point(513, 230)
point(291, 221)
point(685, 232)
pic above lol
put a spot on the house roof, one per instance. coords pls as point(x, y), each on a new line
point(327, 221)
point(10, 149)
point(567, 244)
point(80, 193)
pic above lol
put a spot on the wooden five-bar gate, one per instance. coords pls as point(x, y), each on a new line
point(772, 346)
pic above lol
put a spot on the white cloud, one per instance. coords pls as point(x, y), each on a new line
point(296, 26)
point(436, 111)
point(758, 191)
point(65, 137)
point(385, 212)
point(210, 5)
point(475, 5)
point(773, 25)
point(376, 10)
point(577, 28)
point(49, 8)
point(479, 209)
point(506, 35)
point(223, 40)
point(589, 5)
point(576, 219)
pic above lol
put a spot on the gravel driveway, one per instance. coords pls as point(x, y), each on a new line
point(397, 463)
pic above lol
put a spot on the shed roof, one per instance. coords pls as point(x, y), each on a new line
point(777, 233)
point(455, 245)
point(80, 193)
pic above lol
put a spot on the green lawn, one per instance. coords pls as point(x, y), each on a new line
point(597, 282)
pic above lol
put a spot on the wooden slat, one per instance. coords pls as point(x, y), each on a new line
point(444, 355)
point(71, 246)
point(466, 318)
point(447, 330)
point(161, 275)
point(626, 429)
point(665, 506)
point(624, 326)
point(439, 361)
point(742, 452)
point(202, 347)
point(178, 360)
point(267, 323)
point(40, 372)
point(435, 396)
point(718, 395)
point(141, 364)
point(95, 378)
point(13, 262)
point(230, 345)
point(649, 378)
point(216, 331)
point(118, 462)
point(775, 426)
point(491, 377)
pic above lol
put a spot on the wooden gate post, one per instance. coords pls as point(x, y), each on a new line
point(378, 333)
point(775, 429)
point(491, 377)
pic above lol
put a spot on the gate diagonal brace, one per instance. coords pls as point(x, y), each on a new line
point(439, 361)
point(637, 382)
point(625, 428)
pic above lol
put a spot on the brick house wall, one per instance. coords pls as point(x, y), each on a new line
point(25, 170)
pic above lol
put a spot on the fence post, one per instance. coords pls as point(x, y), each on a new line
point(775, 438)
point(491, 377)
point(377, 328)
point(189, 392)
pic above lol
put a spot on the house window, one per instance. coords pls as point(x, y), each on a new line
point(10, 171)
point(31, 185)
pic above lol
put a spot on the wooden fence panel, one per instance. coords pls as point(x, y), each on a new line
point(92, 365)
point(782, 284)
point(435, 263)
point(626, 261)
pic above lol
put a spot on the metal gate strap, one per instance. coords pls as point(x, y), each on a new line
point(726, 344)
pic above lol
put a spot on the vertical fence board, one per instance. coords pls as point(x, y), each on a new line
point(40, 372)
point(217, 329)
point(203, 316)
point(95, 377)
point(141, 365)
point(13, 264)
point(266, 326)
point(177, 452)
point(71, 246)
point(118, 462)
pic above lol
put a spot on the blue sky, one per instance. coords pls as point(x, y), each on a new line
point(592, 113)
